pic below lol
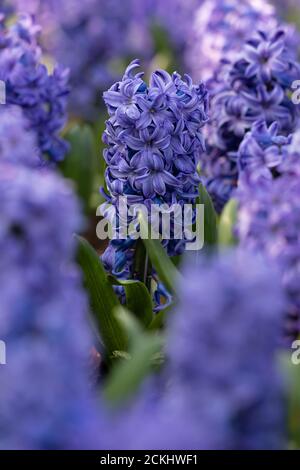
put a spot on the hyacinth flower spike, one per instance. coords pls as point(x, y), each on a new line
point(154, 141)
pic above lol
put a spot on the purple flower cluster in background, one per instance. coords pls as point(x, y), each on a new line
point(18, 144)
point(262, 152)
point(219, 28)
point(41, 96)
point(269, 222)
point(223, 387)
point(255, 86)
point(154, 138)
point(45, 399)
point(95, 39)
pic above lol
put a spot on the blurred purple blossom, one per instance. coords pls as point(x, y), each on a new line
point(18, 144)
point(223, 388)
point(218, 30)
point(95, 39)
point(176, 16)
point(41, 95)
point(269, 222)
point(254, 87)
point(45, 396)
point(262, 151)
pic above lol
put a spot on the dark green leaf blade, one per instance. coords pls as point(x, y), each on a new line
point(163, 265)
point(138, 299)
point(210, 217)
point(128, 374)
point(103, 299)
point(79, 165)
point(227, 223)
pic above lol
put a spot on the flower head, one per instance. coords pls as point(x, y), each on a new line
point(18, 144)
point(41, 95)
point(254, 87)
point(269, 222)
point(223, 389)
point(262, 151)
point(154, 139)
point(153, 129)
point(45, 396)
point(218, 29)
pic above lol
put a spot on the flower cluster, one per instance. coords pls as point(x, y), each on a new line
point(224, 390)
point(262, 152)
point(269, 222)
point(42, 96)
point(18, 144)
point(236, 292)
point(219, 28)
point(154, 140)
point(45, 400)
point(253, 87)
point(25, 207)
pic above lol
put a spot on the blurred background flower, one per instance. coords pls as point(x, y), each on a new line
point(41, 95)
point(256, 85)
point(269, 222)
point(45, 396)
point(222, 385)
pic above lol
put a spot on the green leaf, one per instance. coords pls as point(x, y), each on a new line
point(227, 223)
point(128, 374)
point(210, 217)
point(103, 299)
point(80, 164)
point(163, 265)
point(138, 299)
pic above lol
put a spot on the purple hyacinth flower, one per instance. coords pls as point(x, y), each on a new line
point(154, 142)
point(46, 400)
point(41, 96)
point(218, 29)
point(254, 87)
point(214, 394)
point(262, 151)
point(268, 222)
point(17, 143)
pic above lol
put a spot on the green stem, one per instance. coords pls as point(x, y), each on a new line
point(142, 265)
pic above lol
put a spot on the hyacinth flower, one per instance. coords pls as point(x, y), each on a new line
point(219, 28)
point(45, 396)
point(268, 222)
point(154, 141)
point(263, 151)
point(253, 87)
point(223, 388)
point(41, 96)
point(18, 144)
